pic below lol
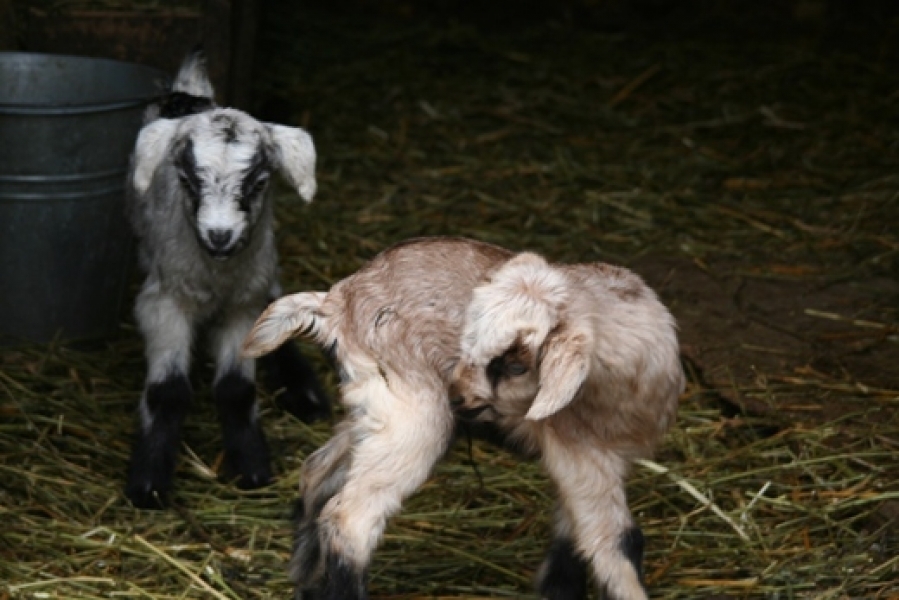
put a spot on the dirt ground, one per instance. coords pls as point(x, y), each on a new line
point(743, 330)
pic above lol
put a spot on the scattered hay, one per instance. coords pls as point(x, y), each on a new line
point(585, 146)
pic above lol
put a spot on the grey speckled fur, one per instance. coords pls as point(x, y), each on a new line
point(199, 203)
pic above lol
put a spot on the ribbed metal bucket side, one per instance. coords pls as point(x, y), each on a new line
point(67, 128)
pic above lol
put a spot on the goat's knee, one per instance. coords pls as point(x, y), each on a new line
point(246, 451)
point(324, 475)
point(162, 410)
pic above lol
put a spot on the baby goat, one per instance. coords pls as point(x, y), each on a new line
point(197, 200)
point(578, 364)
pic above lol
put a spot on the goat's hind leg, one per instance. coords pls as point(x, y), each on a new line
point(166, 398)
point(396, 441)
point(297, 388)
point(324, 474)
point(234, 391)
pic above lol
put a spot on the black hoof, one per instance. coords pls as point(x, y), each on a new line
point(246, 451)
point(146, 495)
point(152, 466)
point(247, 459)
point(564, 573)
point(259, 478)
point(341, 581)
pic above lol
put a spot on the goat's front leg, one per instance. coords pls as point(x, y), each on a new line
point(397, 438)
point(592, 495)
point(168, 334)
point(234, 392)
point(563, 574)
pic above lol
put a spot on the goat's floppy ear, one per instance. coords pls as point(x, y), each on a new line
point(285, 318)
point(295, 158)
point(563, 371)
point(151, 148)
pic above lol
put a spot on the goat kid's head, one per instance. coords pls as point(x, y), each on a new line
point(520, 357)
point(222, 160)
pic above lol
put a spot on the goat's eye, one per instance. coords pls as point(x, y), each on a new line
point(257, 187)
point(189, 185)
point(515, 368)
point(503, 367)
point(251, 192)
point(495, 370)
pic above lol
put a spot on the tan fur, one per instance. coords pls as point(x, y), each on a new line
point(594, 383)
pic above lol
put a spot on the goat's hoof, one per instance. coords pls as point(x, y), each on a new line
point(146, 495)
point(301, 594)
point(249, 471)
point(255, 480)
point(149, 481)
point(563, 575)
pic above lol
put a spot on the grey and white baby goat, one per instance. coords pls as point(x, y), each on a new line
point(578, 364)
point(197, 200)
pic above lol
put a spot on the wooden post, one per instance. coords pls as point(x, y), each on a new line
point(228, 29)
point(245, 15)
point(215, 34)
point(8, 39)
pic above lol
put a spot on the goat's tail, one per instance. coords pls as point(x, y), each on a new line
point(285, 318)
point(192, 77)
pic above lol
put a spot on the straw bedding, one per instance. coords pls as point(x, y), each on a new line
point(751, 182)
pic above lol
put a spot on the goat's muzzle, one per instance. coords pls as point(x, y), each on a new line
point(220, 243)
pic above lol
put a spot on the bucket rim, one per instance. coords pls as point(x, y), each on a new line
point(157, 76)
point(74, 109)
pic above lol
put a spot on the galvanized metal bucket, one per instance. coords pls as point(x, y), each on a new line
point(67, 127)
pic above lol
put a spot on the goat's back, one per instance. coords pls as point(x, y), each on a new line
point(405, 309)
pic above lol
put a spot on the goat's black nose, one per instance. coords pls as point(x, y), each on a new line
point(219, 238)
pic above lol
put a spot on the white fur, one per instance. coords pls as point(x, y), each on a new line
point(296, 158)
point(282, 320)
point(191, 77)
point(152, 147)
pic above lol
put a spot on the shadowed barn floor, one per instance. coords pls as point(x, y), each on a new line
point(744, 164)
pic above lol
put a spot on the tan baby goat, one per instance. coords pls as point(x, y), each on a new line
point(578, 364)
